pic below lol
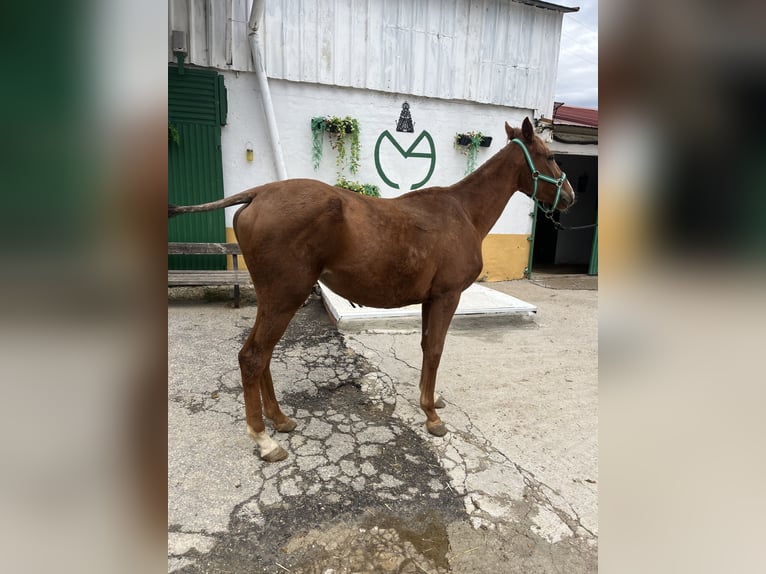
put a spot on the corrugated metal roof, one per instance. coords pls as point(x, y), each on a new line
point(548, 6)
point(573, 115)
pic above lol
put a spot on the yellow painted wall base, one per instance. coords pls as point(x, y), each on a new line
point(505, 257)
point(232, 238)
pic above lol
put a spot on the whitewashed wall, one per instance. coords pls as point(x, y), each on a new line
point(491, 51)
point(296, 103)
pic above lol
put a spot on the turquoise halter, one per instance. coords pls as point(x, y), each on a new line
point(536, 175)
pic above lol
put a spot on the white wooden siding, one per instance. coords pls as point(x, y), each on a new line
point(490, 51)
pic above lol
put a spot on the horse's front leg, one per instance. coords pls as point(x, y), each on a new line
point(437, 315)
point(425, 308)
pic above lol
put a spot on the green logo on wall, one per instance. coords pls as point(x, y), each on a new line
point(407, 154)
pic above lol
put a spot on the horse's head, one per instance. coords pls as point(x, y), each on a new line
point(540, 178)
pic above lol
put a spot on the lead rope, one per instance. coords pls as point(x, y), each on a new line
point(558, 226)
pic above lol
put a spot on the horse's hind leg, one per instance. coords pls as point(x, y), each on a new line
point(271, 409)
point(254, 358)
point(251, 360)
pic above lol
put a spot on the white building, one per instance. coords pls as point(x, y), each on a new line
point(460, 65)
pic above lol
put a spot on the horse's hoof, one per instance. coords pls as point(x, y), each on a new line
point(439, 403)
point(436, 429)
point(275, 455)
point(286, 425)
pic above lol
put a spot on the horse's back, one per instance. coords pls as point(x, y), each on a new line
point(290, 202)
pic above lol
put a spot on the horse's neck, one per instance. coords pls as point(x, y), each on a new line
point(485, 192)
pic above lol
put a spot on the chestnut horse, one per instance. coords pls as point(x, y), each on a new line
point(422, 247)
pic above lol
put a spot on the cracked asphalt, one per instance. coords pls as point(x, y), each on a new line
point(365, 488)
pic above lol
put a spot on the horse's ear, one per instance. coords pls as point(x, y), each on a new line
point(509, 131)
point(527, 131)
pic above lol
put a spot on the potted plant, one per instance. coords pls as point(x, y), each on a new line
point(363, 188)
point(338, 130)
point(468, 143)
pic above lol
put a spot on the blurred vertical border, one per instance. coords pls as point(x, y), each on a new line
point(82, 294)
point(682, 266)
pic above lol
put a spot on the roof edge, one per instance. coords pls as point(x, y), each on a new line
point(548, 5)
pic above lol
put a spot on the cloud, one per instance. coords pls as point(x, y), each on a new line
point(577, 79)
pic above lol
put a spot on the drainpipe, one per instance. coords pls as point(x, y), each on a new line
point(254, 34)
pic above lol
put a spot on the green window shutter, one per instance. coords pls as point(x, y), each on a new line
point(223, 102)
point(195, 171)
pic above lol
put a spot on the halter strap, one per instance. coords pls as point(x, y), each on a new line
point(537, 175)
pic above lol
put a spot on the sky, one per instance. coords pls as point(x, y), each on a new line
point(577, 79)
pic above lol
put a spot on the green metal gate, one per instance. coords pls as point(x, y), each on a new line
point(196, 111)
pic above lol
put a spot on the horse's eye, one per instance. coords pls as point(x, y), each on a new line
point(550, 158)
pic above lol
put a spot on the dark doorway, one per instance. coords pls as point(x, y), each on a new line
point(570, 251)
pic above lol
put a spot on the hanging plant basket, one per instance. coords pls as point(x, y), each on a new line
point(468, 144)
point(338, 130)
point(465, 139)
point(334, 129)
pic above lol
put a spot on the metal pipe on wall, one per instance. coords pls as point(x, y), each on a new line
point(255, 37)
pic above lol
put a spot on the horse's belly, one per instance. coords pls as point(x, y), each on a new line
point(381, 292)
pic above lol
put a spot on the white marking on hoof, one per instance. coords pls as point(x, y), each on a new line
point(267, 444)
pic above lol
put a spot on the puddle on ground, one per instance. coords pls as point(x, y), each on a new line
point(378, 542)
point(426, 532)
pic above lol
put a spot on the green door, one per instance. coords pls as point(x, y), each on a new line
point(196, 112)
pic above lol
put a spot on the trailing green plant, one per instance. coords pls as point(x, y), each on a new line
point(338, 130)
point(317, 135)
point(363, 188)
point(470, 149)
point(173, 135)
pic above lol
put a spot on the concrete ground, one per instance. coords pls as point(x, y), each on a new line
point(511, 488)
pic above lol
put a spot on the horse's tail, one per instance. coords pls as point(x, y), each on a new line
point(243, 197)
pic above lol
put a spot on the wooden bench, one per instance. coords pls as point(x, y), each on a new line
point(181, 278)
